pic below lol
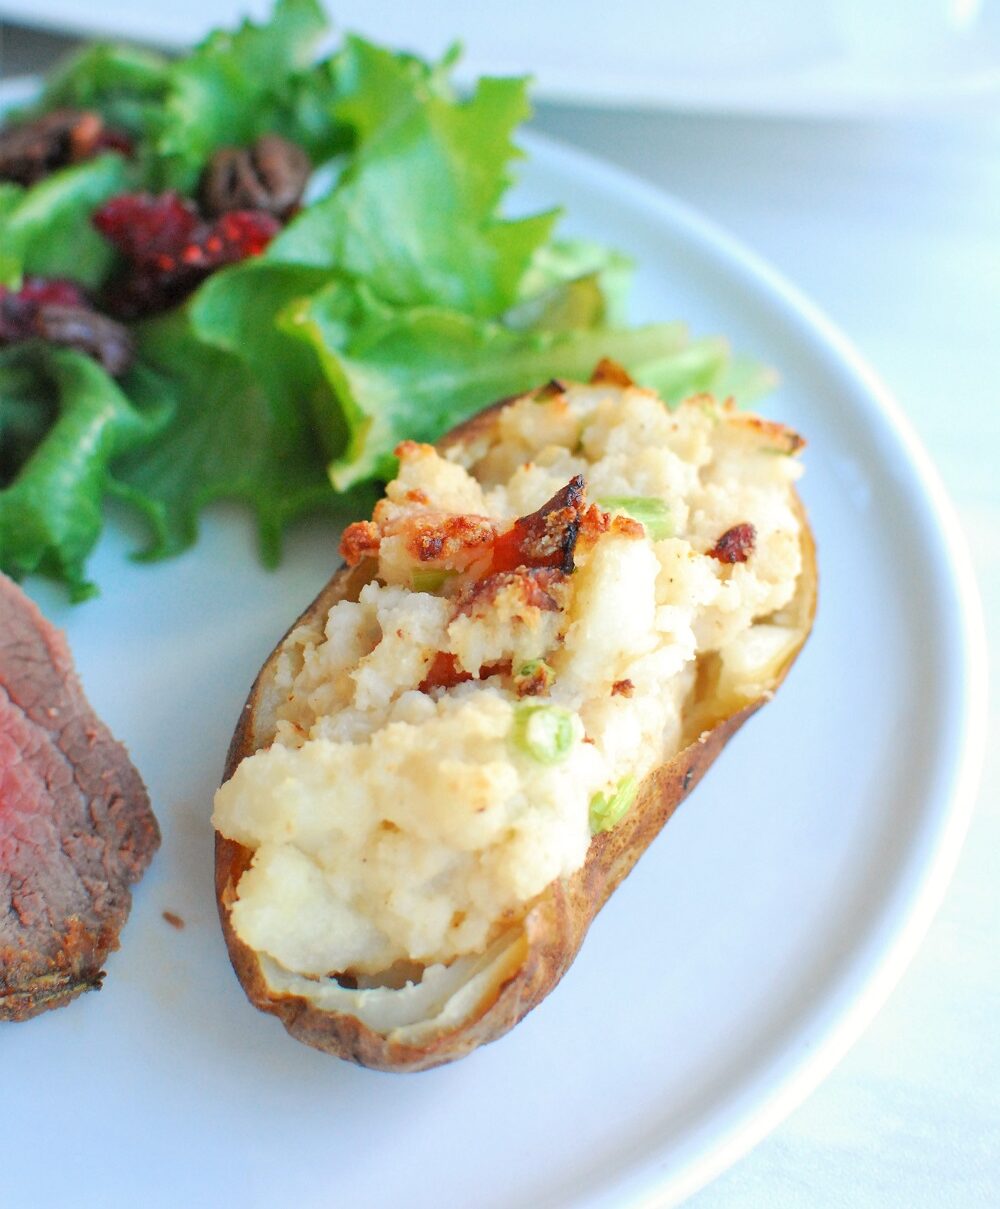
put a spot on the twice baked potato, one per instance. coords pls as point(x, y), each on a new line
point(547, 632)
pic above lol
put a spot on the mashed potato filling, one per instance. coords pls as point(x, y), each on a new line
point(544, 599)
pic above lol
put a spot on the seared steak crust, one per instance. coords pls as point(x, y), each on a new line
point(76, 828)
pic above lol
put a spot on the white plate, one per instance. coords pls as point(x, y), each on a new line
point(801, 57)
point(724, 979)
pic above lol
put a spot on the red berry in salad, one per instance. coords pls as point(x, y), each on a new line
point(169, 248)
point(19, 308)
point(241, 233)
point(148, 229)
point(56, 311)
point(59, 291)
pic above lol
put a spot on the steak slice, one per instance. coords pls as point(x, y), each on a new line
point(76, 828)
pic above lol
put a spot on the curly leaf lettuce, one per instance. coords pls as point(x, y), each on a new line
point(62, 421)
point(241, 84)
point(46, 229)
point(236, 310)
point(415, 212)
point(416, 372)
point(126, 85)
point(228, 90)
point(573, 284)
point(229, 437)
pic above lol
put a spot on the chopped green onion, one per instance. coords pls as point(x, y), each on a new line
point(430, 579)
point(536, 668)
point(544, 732)
point(606, 811)
point(652, 513)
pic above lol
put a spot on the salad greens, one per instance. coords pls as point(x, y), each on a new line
point(46, 230)
point(62, 422)
point(399, 300)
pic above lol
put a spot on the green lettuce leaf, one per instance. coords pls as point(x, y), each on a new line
point(573, 284)
point(229, 438)
point(414, 373)
point(46, 229)
point(235, 310)
point(10, 195)
point(238, 85)
point(62, 421)
point(10, 249)
point(415, 212)
point(125, 84)
point(744, 380)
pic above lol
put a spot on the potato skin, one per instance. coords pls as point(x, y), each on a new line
point(556, 922)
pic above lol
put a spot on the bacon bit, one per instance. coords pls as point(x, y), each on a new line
point(627, 526)
point(416, 496)
point(551, 390)
point(441, 538)
point(443, 673)
point(546, 538)
point(408, 449)
point(610, 373)
point(494, 669)
point(622, 688)
point(538, 680)
point(431, 537)
point(595, 521)
point(735, 545)
point(173, 920)
point(532, 584)
point(360, 540)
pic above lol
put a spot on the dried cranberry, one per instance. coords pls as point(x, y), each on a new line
point(19, 308)
point(170, 249)
point(136, 292)
point(243, 233)
point(147, 229)
point(16, 317)
point(59, 291)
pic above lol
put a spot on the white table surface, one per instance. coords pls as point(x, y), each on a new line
point(893, 228)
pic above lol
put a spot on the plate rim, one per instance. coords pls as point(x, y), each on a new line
point(647, 1184)
point(644, 1182)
